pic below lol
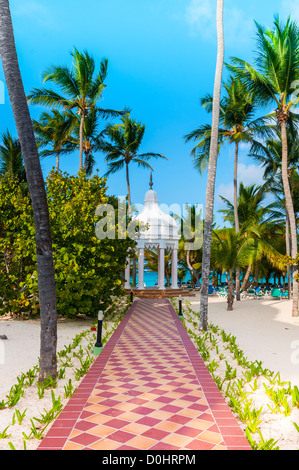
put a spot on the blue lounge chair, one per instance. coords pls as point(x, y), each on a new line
point(275, 294)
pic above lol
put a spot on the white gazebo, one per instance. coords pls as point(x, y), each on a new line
point(160, 232)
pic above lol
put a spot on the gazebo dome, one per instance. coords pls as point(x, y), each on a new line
point(157, 224)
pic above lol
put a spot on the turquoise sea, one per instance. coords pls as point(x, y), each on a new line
point(151, 278)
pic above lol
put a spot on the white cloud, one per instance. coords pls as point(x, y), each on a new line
point(33, 10)
point(247, 174)
point(201, 18)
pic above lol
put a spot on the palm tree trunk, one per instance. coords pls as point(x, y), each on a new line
point(288, 251)
point(128, 184)
point(57, 162)
point(237, 225)
point(45, 267)
point(246, 277)
point(230, 295)
point(291, 213)
point(209, 206)
point(81, 142)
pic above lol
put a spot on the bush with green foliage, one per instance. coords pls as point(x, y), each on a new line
point(88, 270)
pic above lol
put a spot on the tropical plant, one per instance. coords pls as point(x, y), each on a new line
point(11, 160)
point(81, 86)
point(237, 125)
point(53, 129)
point(92, 140)
point(231, 250)
point(88, 269)
point(209, 205)
point(124, 147)
point(190, 244)
point(275, 80)
point(259, 223)
point(44, 254)
point(269, 155)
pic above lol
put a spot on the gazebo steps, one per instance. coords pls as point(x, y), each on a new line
point(154, 293)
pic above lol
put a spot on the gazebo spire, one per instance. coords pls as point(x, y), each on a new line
point(151, 181)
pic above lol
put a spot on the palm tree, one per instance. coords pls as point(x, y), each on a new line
point(92, 139)
point(45, 265)
point(274, 80)
point(190, 244)
point(258, 222)
point(269, 154)
point(237, 109)
point(54, 129)
point(81, 90)
point(230, 250)
point(210, 191)
point(11, 160)
point(124, 146)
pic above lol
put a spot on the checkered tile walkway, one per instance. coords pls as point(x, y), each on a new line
point(148, 390)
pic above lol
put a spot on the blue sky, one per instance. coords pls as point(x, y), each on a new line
point(162, 56)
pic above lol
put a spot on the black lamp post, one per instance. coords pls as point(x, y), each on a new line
point(98, 346)
point(180, 306)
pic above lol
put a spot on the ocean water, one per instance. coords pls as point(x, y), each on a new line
point(151, 278)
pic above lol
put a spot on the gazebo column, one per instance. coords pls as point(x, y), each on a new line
point(127, 274)
point(174, 269)
point(140, 268)
point(161, 268)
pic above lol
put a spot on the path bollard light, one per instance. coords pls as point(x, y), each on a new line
point(180, 306)
point(98, 346)
point(132, 296)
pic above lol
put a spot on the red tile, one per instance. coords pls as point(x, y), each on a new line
point(121, 436)
point(148, 421)
point(188, 431)
point(142, 410)
point(155, 434)
point(117, 423)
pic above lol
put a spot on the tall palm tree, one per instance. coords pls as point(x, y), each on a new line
point(124, 147)
point(53, 129)
point(210, 191)
point(11, 160)
point(269, 155)
point(274, 81)
point(45, 265)
point(81, 86)
point(237, 125)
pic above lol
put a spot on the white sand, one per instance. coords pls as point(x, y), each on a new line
point(20, 352)
point(265, 331)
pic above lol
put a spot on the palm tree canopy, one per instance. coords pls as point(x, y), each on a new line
point(276, 72)
point(236, 122)
point(124, 145)
point(54, 129)
point(79, 85)
point(251, 209)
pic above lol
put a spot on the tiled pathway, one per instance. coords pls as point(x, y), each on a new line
point(148, 390)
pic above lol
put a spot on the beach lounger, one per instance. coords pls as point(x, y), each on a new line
point(251, 293)
point(275, 294)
